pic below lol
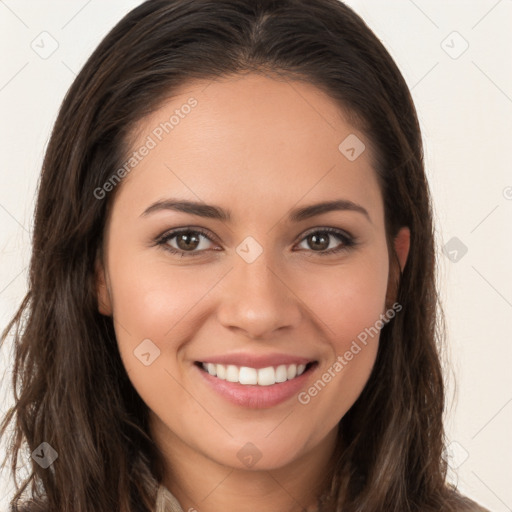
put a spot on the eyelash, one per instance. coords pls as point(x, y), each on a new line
point(347, 240)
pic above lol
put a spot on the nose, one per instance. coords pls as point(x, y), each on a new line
point(257, 300)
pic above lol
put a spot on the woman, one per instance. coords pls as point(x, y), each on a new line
point(232, 302)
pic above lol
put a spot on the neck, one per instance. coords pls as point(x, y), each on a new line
point(203, 485)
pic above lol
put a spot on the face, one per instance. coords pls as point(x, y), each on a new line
point(231, 313)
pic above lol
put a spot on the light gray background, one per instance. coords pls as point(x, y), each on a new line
point(464, 99)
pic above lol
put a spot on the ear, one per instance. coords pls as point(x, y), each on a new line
point(401, 244)
point(102, 290)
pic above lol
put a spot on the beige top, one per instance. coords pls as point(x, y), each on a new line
point(166, 502)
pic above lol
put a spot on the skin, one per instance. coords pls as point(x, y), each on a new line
point(258, 147)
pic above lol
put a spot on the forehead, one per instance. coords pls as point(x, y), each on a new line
point(245, 138)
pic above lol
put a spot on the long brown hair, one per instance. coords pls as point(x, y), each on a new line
point(71, 389)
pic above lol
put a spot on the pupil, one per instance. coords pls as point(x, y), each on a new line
point(316, 240)
point(191, 241)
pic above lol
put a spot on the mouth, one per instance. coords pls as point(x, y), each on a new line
point(249, 376)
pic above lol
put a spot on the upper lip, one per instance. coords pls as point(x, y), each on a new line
point(256, 360)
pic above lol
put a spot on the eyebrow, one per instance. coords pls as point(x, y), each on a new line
point(215, 212)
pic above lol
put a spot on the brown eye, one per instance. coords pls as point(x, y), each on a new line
point(187, 241)
point(190, 242)
point(321, 241)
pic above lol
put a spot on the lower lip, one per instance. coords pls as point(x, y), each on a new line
point(253, 396)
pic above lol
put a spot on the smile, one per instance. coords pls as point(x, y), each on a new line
point(255, 376)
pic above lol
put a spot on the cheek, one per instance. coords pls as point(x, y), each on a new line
point(154, 307)
point(349, 297)
point(152, 301)
point(349, 303)
point(151, 297)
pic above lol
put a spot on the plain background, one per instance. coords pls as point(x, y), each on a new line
point(456, 59)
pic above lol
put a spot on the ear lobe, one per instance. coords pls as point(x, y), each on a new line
point(102, 292)
point(401, 244)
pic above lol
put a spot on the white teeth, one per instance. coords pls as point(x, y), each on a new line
point(251, 376)
point(221, 371)
point(232, 373)
point(248, 376)
point(266, 376)
point(281, 373)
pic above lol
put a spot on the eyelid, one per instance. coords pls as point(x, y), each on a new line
point(326, 229)
point(185, 229)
